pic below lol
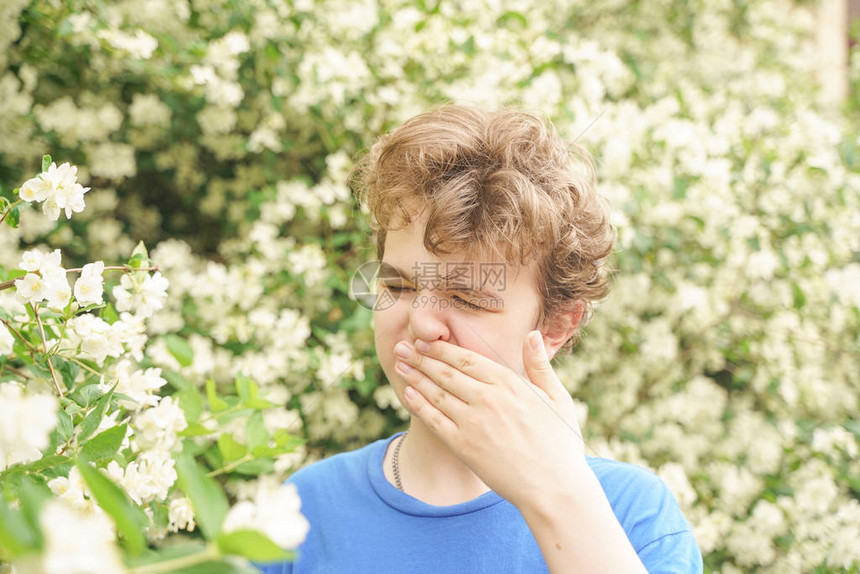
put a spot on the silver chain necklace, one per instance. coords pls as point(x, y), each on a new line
point(394, 462)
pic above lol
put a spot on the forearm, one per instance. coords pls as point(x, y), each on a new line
point(577, 531)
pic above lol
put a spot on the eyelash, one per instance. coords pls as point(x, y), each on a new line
point(402, 289)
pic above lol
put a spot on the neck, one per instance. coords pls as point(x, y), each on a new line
point(431, 473)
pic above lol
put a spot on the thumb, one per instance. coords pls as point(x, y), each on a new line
point(538, 367)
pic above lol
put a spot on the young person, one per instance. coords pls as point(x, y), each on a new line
point(497, 245)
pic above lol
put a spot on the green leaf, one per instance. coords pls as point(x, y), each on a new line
point(15, 274)
point(259, 404)
point(207, 498)
point(94, 418)
point(246, 388)
point(105, 444)
point(129, 518)
point(46, 162)
point(33, 496)
point(194, 429)
point(16, 535)
point(180, 349)
point(256, 431)
point(65, 428)
point(191, 403)
point(176, 380)
point(109, 314)
point(68, 370)
point(171, 552)
point(251, 544)
point(284, 443)
point(139, 257)
point(52, 461)
point(230, 449)
point(13, 217)
point(87, 394)
point(256, 467)
point(217, 568)
point(216, 403)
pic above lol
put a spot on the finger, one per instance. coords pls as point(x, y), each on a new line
point(440, 399)
point(538, 367)
point(419, 406)
point(443, 374)
point(475, 365)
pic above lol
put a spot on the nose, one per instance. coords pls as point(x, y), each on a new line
point(428, 320)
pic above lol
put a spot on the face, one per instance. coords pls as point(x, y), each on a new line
point(444, 298)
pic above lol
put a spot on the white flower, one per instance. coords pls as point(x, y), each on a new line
point(157, 427)
point(180, 515)
point(58, 293)
point(58, 188)
point(89, 288)
point(275, 512)
point(35, 189)
point(31, 288)
point(139, 44)
point(96, 337)
point(45, 279)
point(138, 384)
point(147, 478)
point(71, 490)
point(6, 340)
point(78, 542)
point(32, 260)
point(26, 421)
point(143, 298)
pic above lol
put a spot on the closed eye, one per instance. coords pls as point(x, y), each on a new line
point(396, 286)
point(468, 304)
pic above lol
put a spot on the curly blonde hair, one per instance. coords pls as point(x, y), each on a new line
point(495, 182)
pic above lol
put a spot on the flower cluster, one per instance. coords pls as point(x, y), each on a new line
point(86, 416)
point(26, 421)
point(58, 188)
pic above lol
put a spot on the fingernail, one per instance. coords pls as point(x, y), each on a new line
point(403, 368)
point(536, 340)
point(402, 350)
point(422, 346)
point(409, 392)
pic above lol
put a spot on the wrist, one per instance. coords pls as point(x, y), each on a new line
point(579, 488)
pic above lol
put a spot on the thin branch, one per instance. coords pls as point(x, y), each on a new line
point(11, 207)
point(209, 553)
point(248, 457)
point(19, 372)
point(85, 366)
point(17, 333)
point(125, 268)
point(45, 343)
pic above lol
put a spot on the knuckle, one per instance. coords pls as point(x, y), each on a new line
point(435, 422)
point(446, 373)
point(465, 362)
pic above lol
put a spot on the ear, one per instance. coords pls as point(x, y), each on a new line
point(561, 327)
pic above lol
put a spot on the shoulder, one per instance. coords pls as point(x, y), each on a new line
point(650, 515)
point(343, 474)
point(621, 478)
point(637, 495)
point(335, 470)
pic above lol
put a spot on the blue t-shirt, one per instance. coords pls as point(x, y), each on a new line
point(360, 522)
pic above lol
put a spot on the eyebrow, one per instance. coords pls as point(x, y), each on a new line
point(459, 288)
